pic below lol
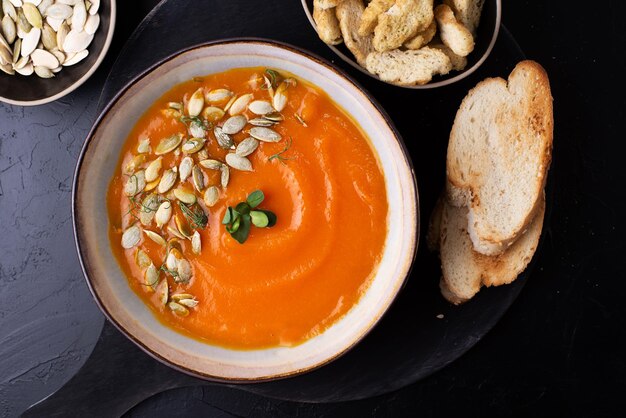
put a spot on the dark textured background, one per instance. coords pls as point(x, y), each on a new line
point(560, 350)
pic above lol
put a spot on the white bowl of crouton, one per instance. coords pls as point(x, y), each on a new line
point(418, 44)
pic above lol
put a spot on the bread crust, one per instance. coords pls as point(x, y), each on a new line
point(349, 14)
point(453, 34)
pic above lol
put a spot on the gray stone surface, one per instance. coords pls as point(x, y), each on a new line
point(48, 321)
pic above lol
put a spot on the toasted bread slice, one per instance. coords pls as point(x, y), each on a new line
point(402, 22)
point(467, 12)
point(453, 34)
point(465, 271)
point(408, 67)
point(499, 154)
point(327, 25)
point(369, 19)
point(349, 13)
point(422, 38)
point(458, 62)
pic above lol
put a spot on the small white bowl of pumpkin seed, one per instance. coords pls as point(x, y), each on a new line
point(48, 48)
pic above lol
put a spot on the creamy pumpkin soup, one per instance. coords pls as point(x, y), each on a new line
point(248, 209)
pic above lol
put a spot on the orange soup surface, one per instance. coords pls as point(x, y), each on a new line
point(284, 284)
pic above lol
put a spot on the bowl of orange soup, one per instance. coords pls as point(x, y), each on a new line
point(244, 211)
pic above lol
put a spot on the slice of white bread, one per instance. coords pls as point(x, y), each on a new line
point(369, 19)
point(422, 38)
point(409, 67)
point(327, 25)
point(464, 270)
point(401, 22)
point(458, 62)
point(349, 15)
point(453, 34)
point(467, 12)
point(325, 4)
point(499, 154)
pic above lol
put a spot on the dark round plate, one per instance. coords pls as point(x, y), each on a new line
point(410, 342)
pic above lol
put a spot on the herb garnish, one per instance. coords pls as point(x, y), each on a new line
point(194, 214)
point(273, 77)
point(279, 155)
point(301, 120)
point(170, 272)
point(239, 219)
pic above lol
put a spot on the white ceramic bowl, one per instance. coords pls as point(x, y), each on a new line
point(110, 288)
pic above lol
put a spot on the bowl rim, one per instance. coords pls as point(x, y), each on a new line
point(85, 77)
point(460, 76)
point(76, 208)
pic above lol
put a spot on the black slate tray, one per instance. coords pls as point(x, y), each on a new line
point(411, 342)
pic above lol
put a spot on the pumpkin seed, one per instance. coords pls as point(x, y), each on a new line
point(149, 206)
point(234, 124)
point(223, 139)
point(59, 11)
point(261, 122)
point(30, 41)
point(92, 24)
point(135, 183)
point(193, 145)
point(32, 15)
point(184, 168)
point(131, 237)
point(76, 58)
point(153, 169)
point(8, 29)
point(9, 9)
point(240, 104)
point(211, 164)
point(6, 58)
point(196, 130)
point(79, 16)
point(203, 154)
point(61, 34)
point(198, 178)
point(260, 107)
point(76, 41)
point(274, 117)
point(26, 70)
point(134, 163)
point(142, 259)
point(17, 49)
point(196, 103)
point(265, 134)
point(175, 232)
point(155, 237)
point(247, 147)
point(196, 243)
point(218, 95)
point(211, 195)
point(168, 144)
point(225, 175)
point(48, 37)
point(175, 105)
point(23, 24)
point(151, 276)
point(238, 162)
point(163, 214)
point(6, 68)
point(280, 96)
point(178, 309)
point(54, 23)
point(230, 103)
point(184, 270)
point(152, 185)
point(185, 196)
point(162, 291)
point(180, 296)
point(43, 58)
point(144, 146)
point(95, 6)
point(167, 181)
point(188, 302)
point(171, 261)
point(213, 114)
